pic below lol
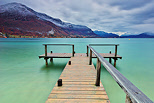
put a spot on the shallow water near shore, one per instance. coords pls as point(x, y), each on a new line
point(24, 78)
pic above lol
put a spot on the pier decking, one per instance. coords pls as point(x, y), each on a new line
point(81, 81)
point(78, 84)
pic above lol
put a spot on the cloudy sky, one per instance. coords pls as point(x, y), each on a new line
point(120, 16)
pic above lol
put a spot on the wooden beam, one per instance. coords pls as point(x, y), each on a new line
point(98, 72)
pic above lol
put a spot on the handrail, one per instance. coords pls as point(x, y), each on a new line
point(133, 94)
point(103, 44)
point(116, 45)
point(58, 44)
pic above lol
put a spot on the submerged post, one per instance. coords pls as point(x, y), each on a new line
point(115, 56)
point(90, 58)
point(98, 72)
point(73, 50)
point(87, 51)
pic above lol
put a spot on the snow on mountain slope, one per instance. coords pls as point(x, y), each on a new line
point(26, 11)
point(15, 8)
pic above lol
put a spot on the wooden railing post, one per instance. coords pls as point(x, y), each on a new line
point(110, 61)
point(98, 72)
point(45, 50)
point(90, 58)
point(128, 100)
point(73, 50)
point(87, 51)
point(115, 56)
point(46, 59)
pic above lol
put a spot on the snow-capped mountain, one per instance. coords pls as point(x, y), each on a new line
point(23, 10)
point(15, 13)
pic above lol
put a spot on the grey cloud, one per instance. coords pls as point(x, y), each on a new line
point(108, 15)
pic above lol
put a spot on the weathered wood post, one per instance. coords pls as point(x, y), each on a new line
point(73, 50)
point(59, 82)
point(46, 59)
point(69, 63)
point(87, 51)
point(90, 58)
point(110, 61)
point(128, 100)
point(98, 72)
point(51, 59)
point(115, 56)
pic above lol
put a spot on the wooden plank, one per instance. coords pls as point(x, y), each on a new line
point(79, 92)
point(77, 101)
point(79, 96)
point(78, 84)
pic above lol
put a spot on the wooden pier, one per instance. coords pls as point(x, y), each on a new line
point(78, 84)
point(80, 81)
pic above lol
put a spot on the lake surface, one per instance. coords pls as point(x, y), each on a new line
point(24, 78)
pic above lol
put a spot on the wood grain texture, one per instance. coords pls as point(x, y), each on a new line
point(78, 84)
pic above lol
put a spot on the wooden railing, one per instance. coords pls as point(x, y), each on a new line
point(133, 94)
point(73, 52)
point(116, 45)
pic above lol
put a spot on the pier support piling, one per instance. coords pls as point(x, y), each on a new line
point(46, 61)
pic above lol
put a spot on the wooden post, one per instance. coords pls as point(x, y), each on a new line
point(115, 59)
point(110, 61)
point(90, 58)
point(98, 72)
point(128, 100)
point(87, 51)
point(73, 50)
point(45, 50)
point(59, 82)
point(51, 59)
point(115, 56)
point(69, 63)
point(115, 50)
point(46, 59)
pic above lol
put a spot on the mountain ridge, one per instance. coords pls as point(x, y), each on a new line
point(20, 15)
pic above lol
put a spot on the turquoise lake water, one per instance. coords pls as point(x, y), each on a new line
point(24, 78)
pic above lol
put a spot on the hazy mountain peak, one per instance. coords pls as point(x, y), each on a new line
point(20, 9)
point(16, 8)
